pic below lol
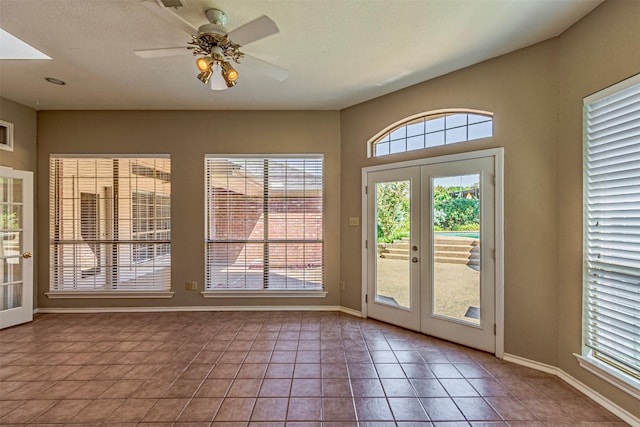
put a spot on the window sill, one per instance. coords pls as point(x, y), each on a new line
point(236, 293)
point(108, 294)
point(618, 379)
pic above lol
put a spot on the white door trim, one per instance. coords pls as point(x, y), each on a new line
point(498, 155)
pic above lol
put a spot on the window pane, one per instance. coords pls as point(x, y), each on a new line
point(456, 120)
point(415, 142)
point(434, 139)
point(456, 225)
point(382, 149)
point(433, 125)
point(393, 220)
point(399, 133)
point(416, 128)
point(235, 266)
point(295, 266)
point(477, 118)
point(399, 146)
point(481, 130)
point(456, 135)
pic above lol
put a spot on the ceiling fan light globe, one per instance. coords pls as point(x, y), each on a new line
point(218, 81)
point(232, 75)
point(203, 64)
point(229, 73)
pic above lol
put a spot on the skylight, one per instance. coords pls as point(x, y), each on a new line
point(12, 47)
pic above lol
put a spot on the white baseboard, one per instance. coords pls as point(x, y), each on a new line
point(339, 308)
point(351, 311)
point(621, 413)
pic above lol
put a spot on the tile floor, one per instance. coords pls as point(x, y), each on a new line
point(266, 369)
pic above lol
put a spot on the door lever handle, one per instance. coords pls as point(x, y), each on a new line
point(27, 255)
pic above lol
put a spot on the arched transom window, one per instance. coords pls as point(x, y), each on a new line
point(431, 130)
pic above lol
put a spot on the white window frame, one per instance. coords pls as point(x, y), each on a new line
point(262, 293)
point(8, 129)
point(79, 293)
point(599, 366)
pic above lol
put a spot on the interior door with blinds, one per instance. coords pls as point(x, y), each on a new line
point(16, 247)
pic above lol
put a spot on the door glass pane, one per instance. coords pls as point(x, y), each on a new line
point(10, 296)
point(10, 243)
point(393, 221)
point(456, 247)
point(10, 190)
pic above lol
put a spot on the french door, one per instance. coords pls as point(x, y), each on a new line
point(16, 246)
point(430, 263)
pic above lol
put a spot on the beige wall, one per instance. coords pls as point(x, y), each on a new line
point(24, 119)
point(521, 90)
point(187, 136)
point(602, 49)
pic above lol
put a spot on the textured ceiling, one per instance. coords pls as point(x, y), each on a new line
point(338, 52)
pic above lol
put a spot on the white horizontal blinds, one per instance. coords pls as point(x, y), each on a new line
point(265, 223)
point(110, 223)
point(612, 228)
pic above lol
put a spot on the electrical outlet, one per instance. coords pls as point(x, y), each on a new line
point(191, 286)
point(342, 287)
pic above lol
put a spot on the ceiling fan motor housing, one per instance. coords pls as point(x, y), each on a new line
point(212, 39)
point(216, 16)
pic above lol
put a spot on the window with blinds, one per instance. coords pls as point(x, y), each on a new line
point(264, 223)
point(612, 229)
point(110, 225)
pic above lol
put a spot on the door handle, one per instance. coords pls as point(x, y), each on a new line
point(414, 259)
point(27, 255)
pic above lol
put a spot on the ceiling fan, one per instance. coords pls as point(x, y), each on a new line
point(216, 48)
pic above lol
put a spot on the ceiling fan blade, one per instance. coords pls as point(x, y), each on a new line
point(162, 52)
point(254, 30)
point(169, 16)
point(266, 68)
